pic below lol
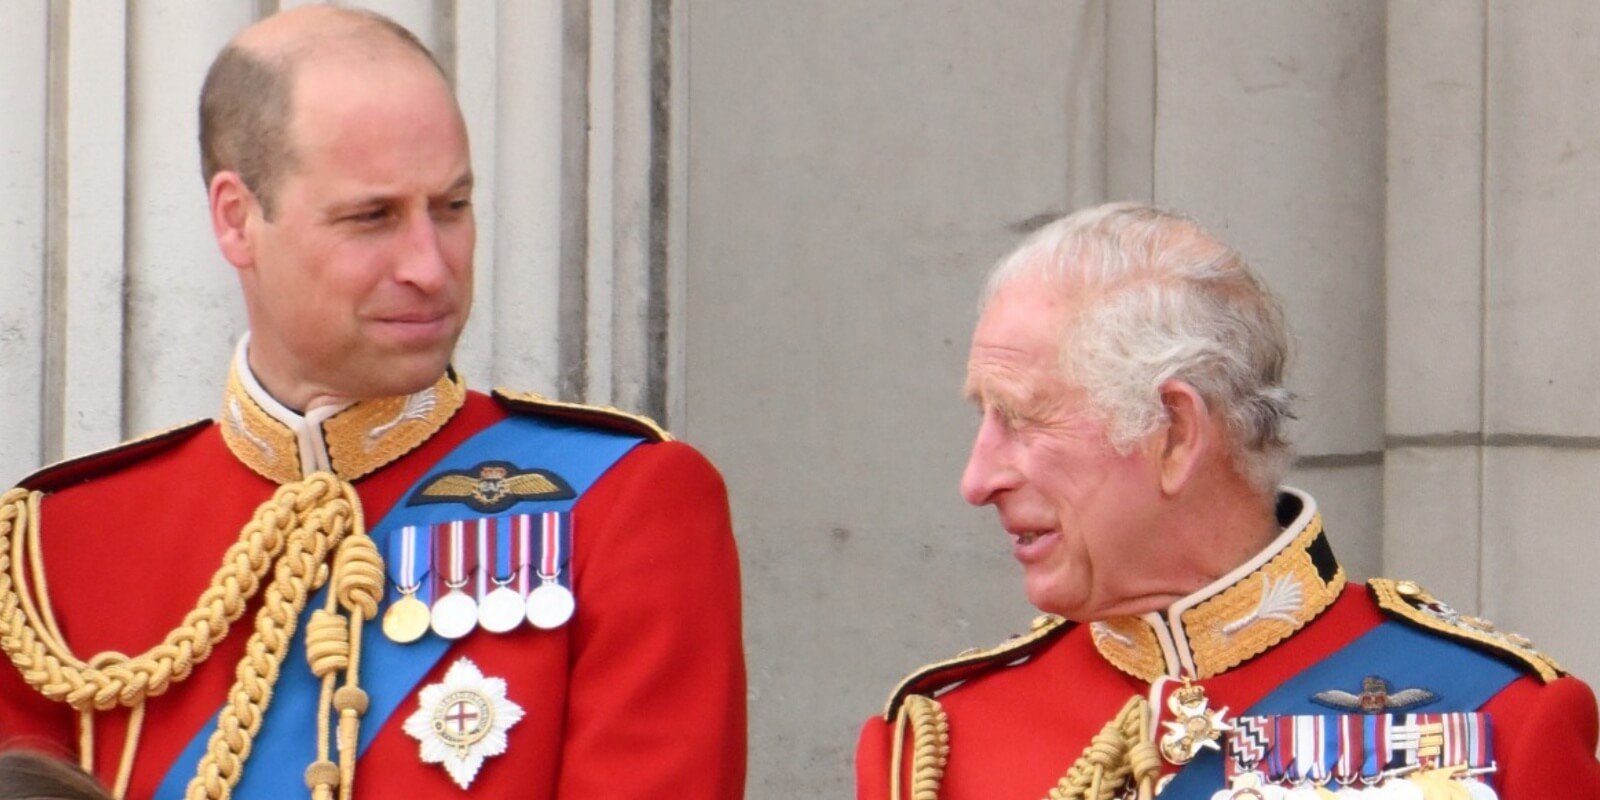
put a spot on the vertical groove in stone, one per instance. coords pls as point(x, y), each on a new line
point(52, 435)
point(129, 368)
point(444, 36)
point(573, 382)
point(672, 214)
point(1483, 318)
point(1085, 108)
point(661, 55)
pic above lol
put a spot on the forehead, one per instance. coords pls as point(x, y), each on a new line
point(365, 112)
point(1018, 336)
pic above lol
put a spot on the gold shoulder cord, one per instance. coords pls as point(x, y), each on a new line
point(1122, 752)
point(930, 747)
point(292, 535)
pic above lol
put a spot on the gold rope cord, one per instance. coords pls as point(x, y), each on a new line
point(1120, 752)
point(930, 747)
point(291, 535)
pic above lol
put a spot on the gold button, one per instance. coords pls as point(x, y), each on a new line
point(1408, 588)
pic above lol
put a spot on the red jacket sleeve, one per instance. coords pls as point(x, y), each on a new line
point(657, 698)
point(872, 760)
point(1545, 739)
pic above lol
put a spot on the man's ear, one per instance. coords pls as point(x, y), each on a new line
point(232, 206)
point(1188, 437)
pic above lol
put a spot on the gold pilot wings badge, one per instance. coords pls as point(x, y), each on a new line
point(492, 486)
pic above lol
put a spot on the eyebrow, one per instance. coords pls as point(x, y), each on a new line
point(465, 181)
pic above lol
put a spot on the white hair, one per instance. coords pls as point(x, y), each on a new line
point(1164, 299)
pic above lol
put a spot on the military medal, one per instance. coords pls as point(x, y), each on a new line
point(505, 563)
point(551, 604)
point(407, 618)
point(455, 613)
point(1196, 727)
point(463, 720)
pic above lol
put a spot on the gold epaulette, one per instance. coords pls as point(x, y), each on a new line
point(81, 468)
point(1410, 603)
point(608, 417)
point(935, 677)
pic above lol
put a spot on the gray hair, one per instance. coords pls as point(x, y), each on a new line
point(1165, 300)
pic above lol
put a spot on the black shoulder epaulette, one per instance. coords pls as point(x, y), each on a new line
point(1410, 603)
point(972, 663)
point(81, 468)
point(608, 417)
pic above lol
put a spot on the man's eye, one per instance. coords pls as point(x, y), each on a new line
point(370, 215)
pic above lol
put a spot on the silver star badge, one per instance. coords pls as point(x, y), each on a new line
point(463, 720)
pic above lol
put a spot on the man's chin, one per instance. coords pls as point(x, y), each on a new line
point(1054, 599)
point(397, 376)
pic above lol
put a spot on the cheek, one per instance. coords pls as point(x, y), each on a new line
point(1070, 474)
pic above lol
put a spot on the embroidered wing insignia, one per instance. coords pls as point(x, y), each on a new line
point(1375, 698)
point(492, 486)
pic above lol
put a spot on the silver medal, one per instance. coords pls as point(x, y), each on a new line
point(550, 605)
point(502, 610)
point(1400, 789)
point(454, 615)
point(1480, 790)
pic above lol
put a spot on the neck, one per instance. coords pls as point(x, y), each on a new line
point(1226, 529)
point(1211, 533)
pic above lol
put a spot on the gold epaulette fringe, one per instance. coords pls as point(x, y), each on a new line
point(609, 417)
point(283, 556)
point(930, 747)
point(971, 663)
point(1410, 603)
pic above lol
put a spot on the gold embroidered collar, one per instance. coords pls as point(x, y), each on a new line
point(1239, 616)
point(350, 440)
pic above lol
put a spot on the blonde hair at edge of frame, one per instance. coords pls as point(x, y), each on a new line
point(1168, 301)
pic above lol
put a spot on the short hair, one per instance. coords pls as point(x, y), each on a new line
point(26, 775)
point(1165, 299)
point(246, 101)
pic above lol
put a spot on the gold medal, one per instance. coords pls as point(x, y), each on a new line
point(406, 620)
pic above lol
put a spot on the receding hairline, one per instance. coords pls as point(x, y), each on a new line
point(249, 104)
point(308, 34)
point(1047, 254)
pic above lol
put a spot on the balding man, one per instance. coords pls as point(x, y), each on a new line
point(366, 578)
point(1201, 639)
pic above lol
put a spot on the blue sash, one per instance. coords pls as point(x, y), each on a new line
point(287, 741)
point(1463, 678)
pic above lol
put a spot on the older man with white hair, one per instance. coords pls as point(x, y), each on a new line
point(1200, 639)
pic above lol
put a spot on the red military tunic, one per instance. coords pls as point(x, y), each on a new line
point(1021, 714)
point(641, 694)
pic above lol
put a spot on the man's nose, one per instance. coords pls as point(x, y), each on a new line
point(421, 260)
point(989, 470)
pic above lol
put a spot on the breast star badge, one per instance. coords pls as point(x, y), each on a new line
point(463, 720)
point(1197, 727)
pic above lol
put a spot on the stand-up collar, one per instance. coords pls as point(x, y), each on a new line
point(1239, 616)
point(348, 439)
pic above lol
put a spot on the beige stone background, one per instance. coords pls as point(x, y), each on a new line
point(766, 221)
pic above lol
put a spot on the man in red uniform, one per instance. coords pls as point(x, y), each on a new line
point(1201, 639)
point(367, 579)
